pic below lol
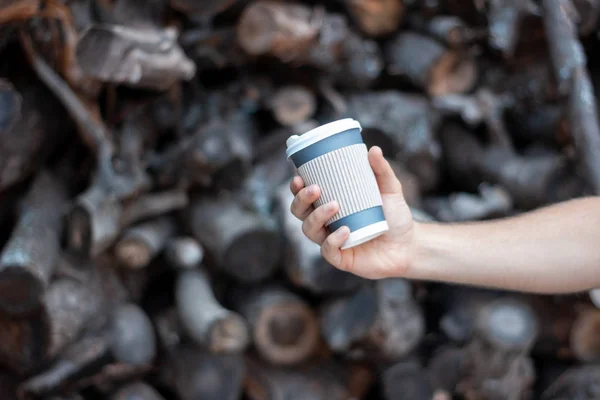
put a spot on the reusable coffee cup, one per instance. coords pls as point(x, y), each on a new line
point(335, 157)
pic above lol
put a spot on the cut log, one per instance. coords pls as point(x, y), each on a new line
point(141, 57)
point(377, 17)
point(448, 29)
point(390, 325)
point(28, 259)
point(69, 307)
point(244, 243)
point(303, 262)
point(292, 105)
point(406, 380)
point(136, 390)
point(197, 374)
point(284, 328)
point(446, 369)
point(129, 338)
point(97, 218)
point(183, 252)
point(429, 65)
point(506, 17)
point(320, 381)
point(139, 244)
point(404, 125)
point(204, 319)
point(492, 201)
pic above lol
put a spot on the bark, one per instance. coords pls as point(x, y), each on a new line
point(28, 259)
point(245, 244)
point(204, 319)
point(197, 374)
point(141, 243)
point(429, 65)
point(576, 383)
point(137, 389)
point(406, 380)
point(390, 325)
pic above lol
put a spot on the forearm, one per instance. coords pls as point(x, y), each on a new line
point(555, 249)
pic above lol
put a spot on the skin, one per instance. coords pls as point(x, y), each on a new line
point(555, 249)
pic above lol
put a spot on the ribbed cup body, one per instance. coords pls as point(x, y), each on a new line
point(343, 175)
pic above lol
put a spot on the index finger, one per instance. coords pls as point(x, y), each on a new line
point(296, 184)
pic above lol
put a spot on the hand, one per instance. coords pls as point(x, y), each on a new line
point(385, 256)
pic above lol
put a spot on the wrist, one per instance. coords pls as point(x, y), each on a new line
point(430, 247)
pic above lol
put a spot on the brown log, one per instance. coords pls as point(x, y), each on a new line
point(292, 105)
point(140, 243)
point(139, 14)
point(244, 243)
point(566, 50)
point(284, 328)
point(377, 17)
point(129, 338)
point(147, 58)
point(135, 390)
point(183, 252)
point(496, 358)
point(556, 316)
point(27, 120)
point(492, 201)
point(198, 374)
point(28, 259)
point(575, 383)
point(204, 319)
point(429, 65)
point(324, 380)
point(584, 340)
point(390, 324)
point(406, 380)
point(506, 18)
point(404, 125)
point(303, 262)
point(207, 9)
point(583, 123)
point(97, 218)
point(299, 35)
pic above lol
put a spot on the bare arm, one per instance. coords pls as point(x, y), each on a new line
point(555, 249)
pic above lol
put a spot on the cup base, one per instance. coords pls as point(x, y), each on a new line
point(365, 234)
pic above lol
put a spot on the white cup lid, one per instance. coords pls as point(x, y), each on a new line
point(295, 143)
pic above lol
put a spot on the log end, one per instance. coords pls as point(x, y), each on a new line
point(133, 253)
point(453, 73)
point(507, 324)
point(184, 252)
point(585, 341)
point(286, 333)
point(253, 255)
point(137, 390)
point(256, 29)
point(229, 334)
point(21, 288)
point(133, 340)
point(293, 105)
point(24, 342)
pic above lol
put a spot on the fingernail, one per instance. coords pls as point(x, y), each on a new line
point(312, 189)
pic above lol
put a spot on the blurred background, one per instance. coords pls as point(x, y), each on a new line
point(147, 250)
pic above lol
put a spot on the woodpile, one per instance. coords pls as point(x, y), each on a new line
point(147, 249)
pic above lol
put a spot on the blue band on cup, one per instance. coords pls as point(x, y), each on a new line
point(337, 141)
point(359, 219)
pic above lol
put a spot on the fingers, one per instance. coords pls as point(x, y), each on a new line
point(314, 225)
point(296, 184)
point(331, 246)
point(301, 206)
point(386, 178)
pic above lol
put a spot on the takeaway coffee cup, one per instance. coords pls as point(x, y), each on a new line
point(335, 157)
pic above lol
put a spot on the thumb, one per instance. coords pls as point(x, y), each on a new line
point(386, 178)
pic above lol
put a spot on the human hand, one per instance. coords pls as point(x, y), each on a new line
point(388, 255)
